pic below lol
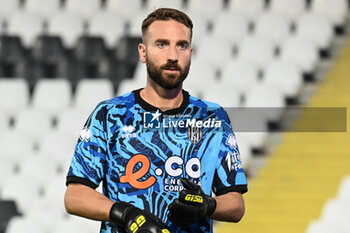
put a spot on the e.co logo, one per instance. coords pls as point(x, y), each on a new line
point(173, 167)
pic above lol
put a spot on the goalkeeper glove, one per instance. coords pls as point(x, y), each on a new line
point(191, 206)
point(135, 220)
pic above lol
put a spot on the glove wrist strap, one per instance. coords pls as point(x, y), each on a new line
point(118, 211)
point(211, 207)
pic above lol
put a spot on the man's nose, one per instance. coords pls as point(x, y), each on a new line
point(173, 54)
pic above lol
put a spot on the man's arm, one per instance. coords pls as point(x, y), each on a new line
point(86, 202)
point(229, 207)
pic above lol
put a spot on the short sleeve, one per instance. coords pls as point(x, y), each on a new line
point(229, 175)
point(88, 162)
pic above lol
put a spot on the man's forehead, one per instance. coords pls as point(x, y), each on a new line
point(168, 28)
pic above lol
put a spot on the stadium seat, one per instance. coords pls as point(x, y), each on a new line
point(240, 74)
point(140, 73)
point(52, 96)
point(201, 69)
point(344, 190)
point(301, 52)
point(85, 101)
point(44, 8)
point(34, 123)
point(267, 98)
point(292, 9)
point(26, 25)
point(54, 212)
point(55, 190)
point(8, 210)
point(127, 11)
point(68, 26)
point(10, 152)
point(264, 95)
point(336, 10)
point(274, 26)
point(109, 25)
point(7, 169)
point(128, 85)
point(233, 26)
point(337, 211)
point(23, 189)
point(83, 8)
point(258, 50)
point(24, 224)
point(14, 96)
point(207, 7)
point(222, 94)
point(316, 28)
point(201, 28)
point(125, 58)
point(49, 58)
point(218, 50)
point(324, 227)
point(71, 122)
point(154, 4)
point(75, 224)
point(285, 75)
point(252, 8)
point(13, 58)
point(4, 123)
point(59, 145)
point(256, 138)
point(91, 59)
point(9, 7)
point(41, 168)
point(134, 24)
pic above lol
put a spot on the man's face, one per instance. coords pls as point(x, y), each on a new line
point(167, 53)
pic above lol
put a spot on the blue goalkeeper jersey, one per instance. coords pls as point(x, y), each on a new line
point(139, 154)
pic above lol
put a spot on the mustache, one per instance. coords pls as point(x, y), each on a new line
point(171, 65)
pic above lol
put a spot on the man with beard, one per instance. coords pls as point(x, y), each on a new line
point(159, 152)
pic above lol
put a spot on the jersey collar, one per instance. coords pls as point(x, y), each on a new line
point(151, 108)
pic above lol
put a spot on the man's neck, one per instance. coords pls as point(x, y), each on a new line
point(162, 98)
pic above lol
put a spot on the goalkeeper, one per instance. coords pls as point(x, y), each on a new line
point(158, 152)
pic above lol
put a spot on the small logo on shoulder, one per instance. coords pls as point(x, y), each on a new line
point(85, 134)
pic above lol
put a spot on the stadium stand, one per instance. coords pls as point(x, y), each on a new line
point(291, 9)
point(13, 57)
point(9, 7)
point(109, 25)
point(48, 59)
point(44, 9)
point(14, 96)
point(59, 59)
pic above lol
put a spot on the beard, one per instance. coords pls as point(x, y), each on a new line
point(167, 81)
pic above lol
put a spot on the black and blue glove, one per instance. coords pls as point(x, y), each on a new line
point(192, 205)
point(135, 220)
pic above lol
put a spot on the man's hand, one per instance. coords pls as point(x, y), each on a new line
point(136, 220)
point(191, 206)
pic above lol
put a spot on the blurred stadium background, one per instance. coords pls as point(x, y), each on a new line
point(58, 59)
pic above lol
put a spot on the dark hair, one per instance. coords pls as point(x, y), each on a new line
point(166, 14)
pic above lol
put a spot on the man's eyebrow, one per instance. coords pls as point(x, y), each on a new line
point(183, 42)
point(165, 41)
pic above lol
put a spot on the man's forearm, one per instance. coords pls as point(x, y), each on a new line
point(229, 207)
point(86, 202)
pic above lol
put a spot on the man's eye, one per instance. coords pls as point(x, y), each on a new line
point(183, 46)
point(161, 45)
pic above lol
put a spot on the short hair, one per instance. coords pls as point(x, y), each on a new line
point(166, 14)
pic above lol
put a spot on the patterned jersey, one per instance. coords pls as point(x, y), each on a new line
point(139, 154)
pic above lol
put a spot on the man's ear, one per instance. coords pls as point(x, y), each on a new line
point(142, 52)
